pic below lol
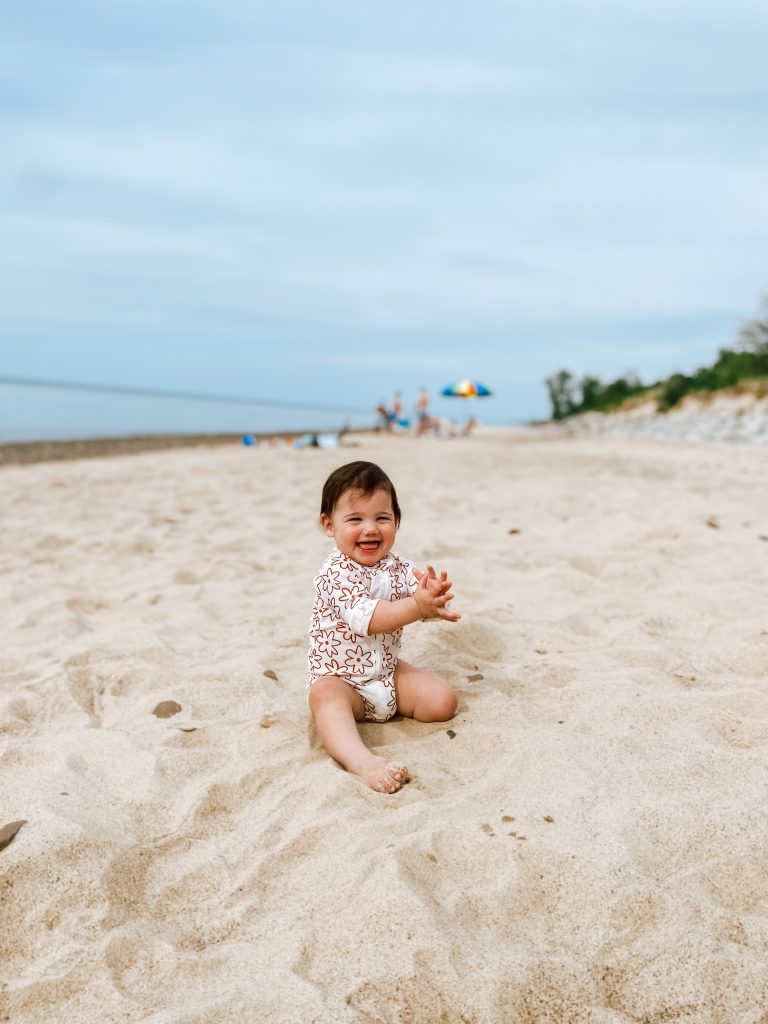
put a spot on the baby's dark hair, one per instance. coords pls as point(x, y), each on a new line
point(365, 477)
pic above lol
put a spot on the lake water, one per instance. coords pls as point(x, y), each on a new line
point(43, 413)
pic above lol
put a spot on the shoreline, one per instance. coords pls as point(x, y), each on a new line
point(594, 426)
point(16, 453)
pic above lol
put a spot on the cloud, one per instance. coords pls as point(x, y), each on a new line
point(346, 183)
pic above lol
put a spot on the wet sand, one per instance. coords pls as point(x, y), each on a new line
point(26, 452)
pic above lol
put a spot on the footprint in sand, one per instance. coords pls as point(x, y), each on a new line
point(463, 854)
point(86, 686)
point(555, 675)
point(474, 641)
point(738, 721)
point(140, 966)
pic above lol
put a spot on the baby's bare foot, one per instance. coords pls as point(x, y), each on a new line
point(383, 777)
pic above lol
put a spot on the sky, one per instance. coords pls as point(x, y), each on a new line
point(325, 203)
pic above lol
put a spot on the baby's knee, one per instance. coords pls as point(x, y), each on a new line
point(328, 690)
point(446, 705)
point(320, 692)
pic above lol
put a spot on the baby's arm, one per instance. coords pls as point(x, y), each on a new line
point(428, 601)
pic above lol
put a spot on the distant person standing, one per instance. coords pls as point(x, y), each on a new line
point(422, 412)
point(382, 422)
point(396, 413)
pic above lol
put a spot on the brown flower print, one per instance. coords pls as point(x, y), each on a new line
point(349, 596)
point(347, 633)
point(330, 580)
point(358, 660)
point(327, 644)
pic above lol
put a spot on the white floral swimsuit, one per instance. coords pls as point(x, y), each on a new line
point(346, 594)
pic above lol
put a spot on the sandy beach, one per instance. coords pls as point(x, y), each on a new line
point(589, 846)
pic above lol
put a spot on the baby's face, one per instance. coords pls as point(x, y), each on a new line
point(363, 526)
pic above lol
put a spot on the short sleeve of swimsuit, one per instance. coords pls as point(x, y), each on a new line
point(401, 579)
point(411, 581)
point(347, 594)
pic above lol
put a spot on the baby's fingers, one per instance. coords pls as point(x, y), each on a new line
point(448, 615)
point(440, 586)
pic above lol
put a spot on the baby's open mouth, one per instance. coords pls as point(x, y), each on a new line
point(368, 545)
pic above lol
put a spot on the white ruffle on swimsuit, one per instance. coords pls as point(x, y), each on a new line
point(346, 594)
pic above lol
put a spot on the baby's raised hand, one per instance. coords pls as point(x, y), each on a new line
point(433, 594)
point(435, 584)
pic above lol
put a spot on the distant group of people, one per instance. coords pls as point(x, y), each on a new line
point(390, 418)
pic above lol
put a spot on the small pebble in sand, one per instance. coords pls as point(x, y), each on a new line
point(166, 709)
point(451, 733)
point(713, 523)
point(548, 817)
point(506, 818)
point(270, 674)
point(475, 678)
point(267, 721)
point(541, 650)
point(7, 832)
point(514, 529)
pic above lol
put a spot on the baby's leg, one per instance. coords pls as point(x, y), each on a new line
point(423, 696)
point(337, 707)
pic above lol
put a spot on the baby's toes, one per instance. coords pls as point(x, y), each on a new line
point(397, 772)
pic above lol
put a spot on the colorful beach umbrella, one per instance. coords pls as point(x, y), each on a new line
point(466, 388)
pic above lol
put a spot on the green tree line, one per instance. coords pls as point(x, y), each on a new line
point(748, 360)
